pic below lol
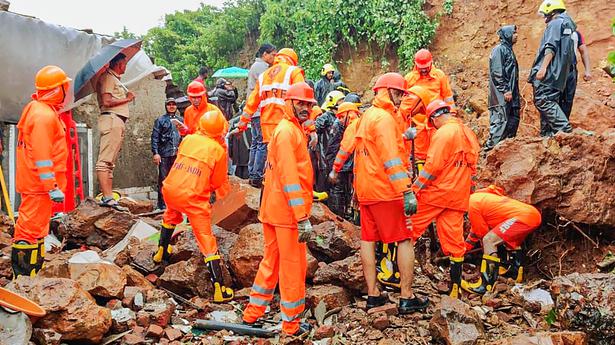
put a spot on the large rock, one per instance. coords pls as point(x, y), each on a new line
point(455, 323)
point(312, 266)
point(100, 279)
point(186, 246)
point(246, 254)
point(333, 296)
point(239, 208)
point(571, 174)
point(56, 264)
point(96, 226)
point(137, 206)
point(554, 338)
point(15, 329)
point(334, 240)
point(71, 311)
point(187, 278)
point(585, 302)
point(134, 278)
point(347, 273)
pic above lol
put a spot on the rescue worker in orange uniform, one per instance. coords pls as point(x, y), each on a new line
point(496, 219)
point(42, 156)
point(199, 170)
point(197, 94)
point(284, 212)
point(424, 74)
point(268, 97)
point(382, 187)
point(443, 186)
point(417, 135)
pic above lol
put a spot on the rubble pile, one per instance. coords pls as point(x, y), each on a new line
point(109, 290)
point(570, 174)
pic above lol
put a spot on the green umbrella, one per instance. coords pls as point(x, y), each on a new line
point(231, 72)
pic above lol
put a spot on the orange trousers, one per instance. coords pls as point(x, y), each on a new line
point(449, 226)
point(200, 220)
point(34, 215)
point(285, 260)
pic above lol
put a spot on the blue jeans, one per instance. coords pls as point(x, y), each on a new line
point(258, 152)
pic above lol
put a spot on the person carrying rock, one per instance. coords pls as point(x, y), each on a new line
point(199, 170)
point(504, 97)
point(382, 187)
point(496, 219)
point(552, 66)
point(284, 212)
point(41, 168)
point(443, 186)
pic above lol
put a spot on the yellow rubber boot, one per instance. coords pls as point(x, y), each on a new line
point(164, 251)
point(221, 293)
point(455, 273)
point(489, 269)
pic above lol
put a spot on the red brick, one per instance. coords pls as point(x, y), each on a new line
point(155, 331)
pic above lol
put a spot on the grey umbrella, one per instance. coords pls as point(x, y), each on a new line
point(86, 79)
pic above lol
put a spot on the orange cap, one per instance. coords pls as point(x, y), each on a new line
point(290, 54)
point(346, 107)
point(50, 77)
point(423, 58)
point(391, 80)
point(300, 92)
point(212, 123)
point(195, 89)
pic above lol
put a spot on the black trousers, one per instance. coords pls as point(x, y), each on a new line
point(567, 97)
point(503, 124)
point(552, 118)
point(163, 170)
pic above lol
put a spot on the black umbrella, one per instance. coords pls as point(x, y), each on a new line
point(86, 79)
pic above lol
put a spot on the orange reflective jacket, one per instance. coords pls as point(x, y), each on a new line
point(41, 150)
point(380, 166)
point(192, 115)
point(268, 96)
point(446, 178)
point(200, 168)
point(489, 207)
point(436, 82)
point(287, 193)
point(347, 145)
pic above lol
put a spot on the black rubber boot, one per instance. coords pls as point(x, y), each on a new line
point(24, 257)
point(515, 270)
point(163, 253)
point(221, 293)
point(489, 269)
point(410, 305)
point(386, 265)
point(455, 273)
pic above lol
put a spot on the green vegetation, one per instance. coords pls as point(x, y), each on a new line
point(316, 28)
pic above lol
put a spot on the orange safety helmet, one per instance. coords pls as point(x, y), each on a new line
point(346, 107)
point(423, 59)
point(195, 89)
point(391, 80)
point(437, 108)
point(290, 54)
point(50, 77)
point(212, 123)
point(300, 92)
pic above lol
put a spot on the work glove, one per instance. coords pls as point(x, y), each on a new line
point(410, 203)
point(333, 177)
point(241, 126)
point(410, 133)
point(212, 198)
point(305, 230)
point(56, 195)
